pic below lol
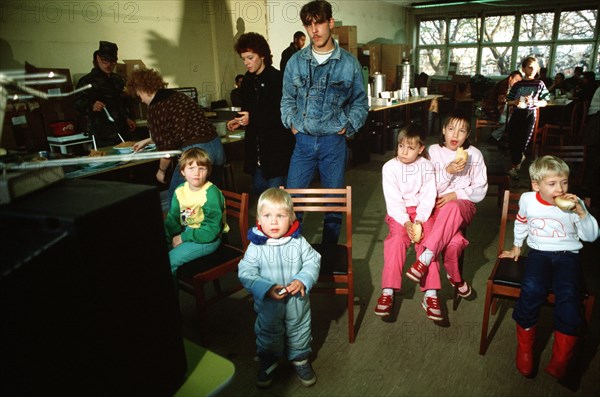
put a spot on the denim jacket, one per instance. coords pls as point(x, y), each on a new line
point(323, 99)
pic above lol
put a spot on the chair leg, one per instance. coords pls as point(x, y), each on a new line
point(351, 335)
point(483, 341)
point(494, 306)
point(201, 309)
point(456, 297)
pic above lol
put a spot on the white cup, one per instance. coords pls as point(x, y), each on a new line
point(423, 91)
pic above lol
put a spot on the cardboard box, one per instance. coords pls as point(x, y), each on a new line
point(351, 50)
point(346, 35)
point(129, 65)
point(374, 53)
point(391, 57)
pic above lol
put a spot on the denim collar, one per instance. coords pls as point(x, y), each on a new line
point(306, 53)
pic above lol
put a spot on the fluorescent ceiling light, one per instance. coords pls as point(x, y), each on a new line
point(447, 3)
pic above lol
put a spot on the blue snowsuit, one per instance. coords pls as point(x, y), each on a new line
point(282, 326)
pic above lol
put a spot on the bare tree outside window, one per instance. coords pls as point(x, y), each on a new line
point(560, 39)
point(575, 25)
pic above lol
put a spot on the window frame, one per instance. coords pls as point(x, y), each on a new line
point(515, 43)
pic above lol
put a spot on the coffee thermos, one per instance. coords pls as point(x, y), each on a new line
point(405, 74)
point(377, 81)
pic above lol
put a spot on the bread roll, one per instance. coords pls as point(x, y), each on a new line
point(564, 204)
point(461, 154)
point(418, 232)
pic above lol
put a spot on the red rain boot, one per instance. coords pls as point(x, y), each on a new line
point(562, 351)
point(525, 340)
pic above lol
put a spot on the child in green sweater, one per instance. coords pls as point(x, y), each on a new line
point(196, 219)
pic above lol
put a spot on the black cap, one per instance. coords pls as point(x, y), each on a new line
point(108, 50)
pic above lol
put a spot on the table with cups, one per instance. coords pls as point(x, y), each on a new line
point(397, 100)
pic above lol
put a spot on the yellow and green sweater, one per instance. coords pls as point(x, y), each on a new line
point(199, 216)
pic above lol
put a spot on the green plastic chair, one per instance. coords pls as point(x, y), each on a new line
point(208, 373)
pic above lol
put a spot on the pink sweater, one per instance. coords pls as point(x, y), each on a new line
point(409, 185)
point(470, 184)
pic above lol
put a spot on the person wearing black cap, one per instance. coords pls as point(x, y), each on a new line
point(108, 93)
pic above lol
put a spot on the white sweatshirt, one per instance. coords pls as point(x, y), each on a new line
point(470, 184)
point(409, 185)
point(548, 228)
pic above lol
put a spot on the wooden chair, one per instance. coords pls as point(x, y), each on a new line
point(505, 279)
point(192, 276)
point(569, 129)
point(574, 155)
point(336, 277)
point(485, 123)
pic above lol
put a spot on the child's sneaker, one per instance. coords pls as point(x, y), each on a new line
point(268, 364)
point(305, 372)
point(431, 305)
point(417, 271)
point(464, 289)
point(384, 305)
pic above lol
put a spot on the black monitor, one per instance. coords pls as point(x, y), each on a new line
point(87, 301)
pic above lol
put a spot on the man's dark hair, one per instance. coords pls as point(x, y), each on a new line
point(256, 43)
point(298, 34)
point(317, 11)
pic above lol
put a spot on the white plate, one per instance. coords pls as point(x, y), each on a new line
point(124, 150)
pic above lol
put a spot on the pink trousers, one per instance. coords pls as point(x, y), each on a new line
point(447, 239)
point(395, 246)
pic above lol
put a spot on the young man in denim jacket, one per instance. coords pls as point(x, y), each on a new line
point(323, 102)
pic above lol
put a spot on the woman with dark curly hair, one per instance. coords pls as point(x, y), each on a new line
point(175, 122)
point(268, 145)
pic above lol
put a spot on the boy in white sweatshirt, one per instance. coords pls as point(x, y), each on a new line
point(554, 238)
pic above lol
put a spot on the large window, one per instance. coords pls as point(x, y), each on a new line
point(494, 45)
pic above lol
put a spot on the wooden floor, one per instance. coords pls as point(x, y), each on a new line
point(407, 355)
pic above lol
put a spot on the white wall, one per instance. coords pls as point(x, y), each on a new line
point(189, 41)
point(374, 19)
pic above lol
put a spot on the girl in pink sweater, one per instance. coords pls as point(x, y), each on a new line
point(461, 182)
point(410, 192)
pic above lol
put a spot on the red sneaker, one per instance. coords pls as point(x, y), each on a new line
point(417, 271)
point(384, 305)
point(431, 305)
point(464, 289)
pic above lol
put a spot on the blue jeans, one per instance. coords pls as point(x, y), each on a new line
point(560, 271)
point(216, 153)
point(260, 183)
point(327, 154)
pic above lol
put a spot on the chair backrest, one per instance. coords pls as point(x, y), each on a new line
point(510, 208)
point(578, 118)
point(574, 155)
point(325, 200)
point(236, 206)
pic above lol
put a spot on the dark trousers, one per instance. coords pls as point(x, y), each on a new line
point(561, 271)
point(520, 129)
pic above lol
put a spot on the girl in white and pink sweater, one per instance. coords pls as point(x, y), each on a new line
point(461, 182)
point(409, 190)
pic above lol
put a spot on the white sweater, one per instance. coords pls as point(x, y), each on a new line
point(409, 185)
point(471, 184)
point(548, 228)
